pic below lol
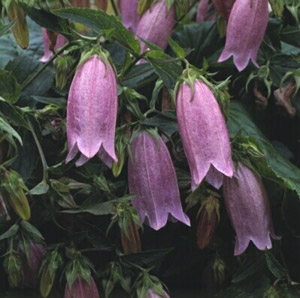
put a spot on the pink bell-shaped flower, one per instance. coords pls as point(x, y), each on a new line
point(31, 266)
point(223, 7)
point(129, 15)
point(82, 289)
point(248, 208)
point(156, 24)
point(152, 178)
point(59, 42)
point(203, 11)
point(92, 111)
point(203, 133)
point(245, 31)
point(152, 294)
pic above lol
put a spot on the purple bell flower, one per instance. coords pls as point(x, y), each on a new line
point(82, 289)
point(248, 207)
point(203, 133)
point(156, 24)
point(152, 177)
point(92, 112)
point(245, 31)
point(129, 15)
point(152, 294)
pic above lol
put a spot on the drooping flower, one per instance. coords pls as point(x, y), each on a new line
point(152, 294)
point(203, 133)
point(52, 44)
point(203, 11)
point(82, 289)
point(92, 112)
point(245, 31)
point(156, 25)
point(129, 15)
point(31, 266)
point(248, 207)
point(152, 177)
point(223, 7)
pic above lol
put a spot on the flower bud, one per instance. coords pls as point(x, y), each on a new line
point(12, 266)
point(92, 111)
point(248, 208)
point(152, 178)
point(208, 220)
point(20, 29)
point(13, 187)
point(156, 24)
point(203, 133)
point(245, 31)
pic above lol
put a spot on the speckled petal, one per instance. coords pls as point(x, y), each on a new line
point(152, 177)
point(248, 208)
point(92, 110)
point(156, 24)
point(203, 132)
point(245, 31)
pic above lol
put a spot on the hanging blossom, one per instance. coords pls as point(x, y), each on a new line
point(153, 294)
point(223, 7)
point(203, 133)
point(80, 288)
point(92, 111)
point(51, 45)
point(203, 11)
point(152, 178)
point(245, 31)
point(156, 24)
point(248, 207)
point(129, 15)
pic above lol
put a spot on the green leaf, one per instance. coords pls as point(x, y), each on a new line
point(98, 20)
point(283, 169)
point(46, 19)
point(40, 189)
point(5, 28)
point(31, 230)
point(178, 50)
point(10, 232)
point(274, 266)
point(5, 127)
point(94, 207)
point(166, 67)
point(200, 40)
point(58, 101)
point(10, 89)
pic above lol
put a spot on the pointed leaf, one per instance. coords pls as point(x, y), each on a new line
point(98, 20)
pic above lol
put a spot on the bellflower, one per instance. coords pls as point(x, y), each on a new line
point(152, 177)
point(59, 42)
point(245, 31)
point(156, 24)
point(129, 15)
point(223, 7)
point(92, 112)
point(203, 133)
point(203, 11)
point(82, 289)
point(31, 266)
point(248, 208)
point(152, 294)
